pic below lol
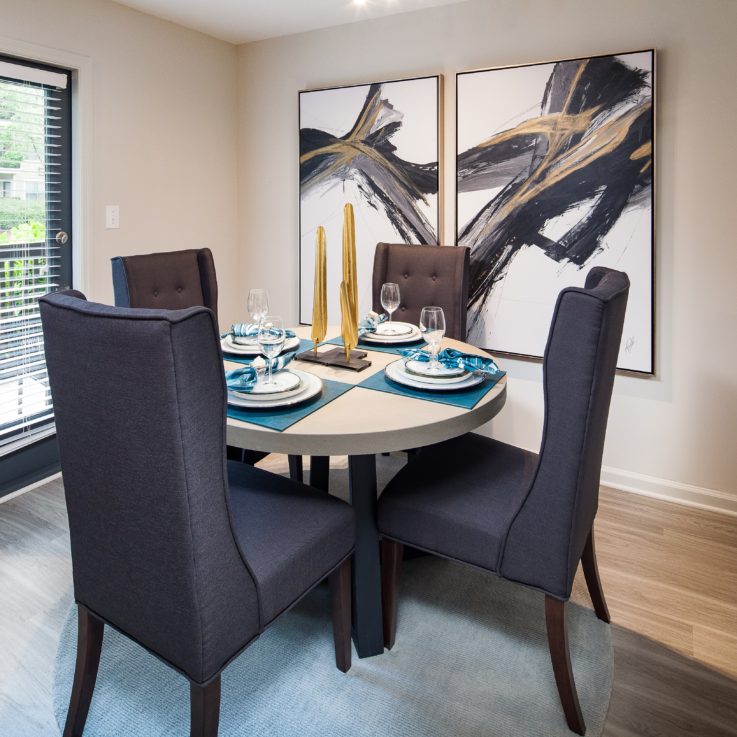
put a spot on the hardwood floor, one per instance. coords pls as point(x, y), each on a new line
point(669, 574)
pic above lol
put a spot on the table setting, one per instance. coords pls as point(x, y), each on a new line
point(267, 380)
point(427, 369)
point(282, 378)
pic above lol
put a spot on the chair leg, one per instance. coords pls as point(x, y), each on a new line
point(555, 620)
point(295, 468)
point(340, 599)
point(90, 631)
point(320, 472)
point(204, 709)
point(593, 582)
point(391, 565)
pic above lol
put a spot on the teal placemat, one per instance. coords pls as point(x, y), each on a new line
point(467, 398)
point(303, 346)
point(282, 418)
point(396, 349)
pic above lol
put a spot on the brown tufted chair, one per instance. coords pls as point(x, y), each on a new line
point(173, 280)
point(427, 275)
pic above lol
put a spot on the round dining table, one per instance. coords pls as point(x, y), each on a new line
point(361, 423)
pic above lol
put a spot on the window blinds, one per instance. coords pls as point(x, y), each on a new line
point(32, 204)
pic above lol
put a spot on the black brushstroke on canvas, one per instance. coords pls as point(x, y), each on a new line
point(367, 156)
point(590, 145)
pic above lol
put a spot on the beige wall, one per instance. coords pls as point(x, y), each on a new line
point(197, 143)
point(678, 427)
point(164, 132)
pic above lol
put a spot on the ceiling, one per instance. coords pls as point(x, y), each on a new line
point(242, 21)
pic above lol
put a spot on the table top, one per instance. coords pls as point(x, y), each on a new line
point(364, 421)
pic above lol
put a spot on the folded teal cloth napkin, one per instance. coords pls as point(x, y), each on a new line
point(370, 323)
point(250, 330)
point(244, 379)
point(451, 358)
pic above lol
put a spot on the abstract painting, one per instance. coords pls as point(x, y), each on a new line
point(375, 146)
point(554, 176)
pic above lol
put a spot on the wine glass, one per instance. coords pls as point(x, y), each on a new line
point(432, 327)
point(390, 300)
point(258, 304)
point(271, 337)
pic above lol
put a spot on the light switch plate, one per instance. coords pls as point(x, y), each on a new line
point(112, 216)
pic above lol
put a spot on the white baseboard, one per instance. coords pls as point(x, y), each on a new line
point(30, 487)
point(670, 491)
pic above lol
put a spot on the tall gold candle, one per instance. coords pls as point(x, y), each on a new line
point(348, 327)
point(320, 296)
point(349, 285)
point(349, 258)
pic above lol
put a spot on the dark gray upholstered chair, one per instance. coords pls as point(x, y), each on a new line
point(427, 275)
point(172, 280)
point(526, 517)
point(189, 555)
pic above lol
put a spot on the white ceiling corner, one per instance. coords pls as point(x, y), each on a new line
point(244, 21)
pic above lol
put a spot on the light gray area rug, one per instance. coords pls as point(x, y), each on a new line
point(470, 660)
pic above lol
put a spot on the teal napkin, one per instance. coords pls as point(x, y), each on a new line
point(244, 379)
point(451, 358)
point(250, 330)
point(370, 323)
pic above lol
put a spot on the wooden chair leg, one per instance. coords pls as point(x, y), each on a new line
point(204, 709)
point(340, 599)
point(593, 582)
point(295, 468)
point(89, 645)
point(320, 472)
point(555, 621)
point(391, 565)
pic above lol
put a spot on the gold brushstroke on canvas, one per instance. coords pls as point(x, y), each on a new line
point(644, 152)
point(347, 150)
point(558, 163)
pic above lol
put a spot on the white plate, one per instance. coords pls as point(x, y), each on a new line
point(287, 384)
point(395, 372)
point(393, 329)
point(229, 346)
point(412, 337)
point(421, 369)
point(311, 387)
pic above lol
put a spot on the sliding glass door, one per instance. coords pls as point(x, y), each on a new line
point(35, 244)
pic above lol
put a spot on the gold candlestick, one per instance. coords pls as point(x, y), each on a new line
point(348, 329)
point(320, 297)
point(349, 285)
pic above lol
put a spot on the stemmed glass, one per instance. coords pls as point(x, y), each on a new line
point(258, 307)
point(271, 337)
point(432, 327)
point(258, 304)
point(390, 300)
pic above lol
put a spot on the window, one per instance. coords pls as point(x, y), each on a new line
point(35, 238)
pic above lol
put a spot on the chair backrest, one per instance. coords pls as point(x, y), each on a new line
point(139, 399)
point(548, 534)
point(427, 275)
point(171, 280)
